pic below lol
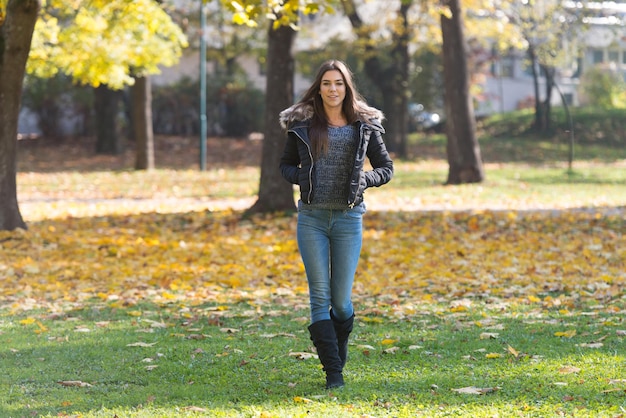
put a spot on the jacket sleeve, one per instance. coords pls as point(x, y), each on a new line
point(380, 160)
point(290, 160)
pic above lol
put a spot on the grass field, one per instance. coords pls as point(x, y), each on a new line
point(145, 294)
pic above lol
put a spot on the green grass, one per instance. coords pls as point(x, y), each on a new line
point(248, 371)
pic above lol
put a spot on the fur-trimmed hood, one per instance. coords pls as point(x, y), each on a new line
point(304, 111)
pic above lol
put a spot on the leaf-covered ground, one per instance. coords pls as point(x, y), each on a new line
point(560, 258)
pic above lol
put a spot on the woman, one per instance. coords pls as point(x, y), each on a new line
point(330, 131)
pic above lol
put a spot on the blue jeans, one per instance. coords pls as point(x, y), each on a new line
point(330, 246)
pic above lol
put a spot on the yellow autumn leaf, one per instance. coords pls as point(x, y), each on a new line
point(375, 319)
point(569, 370)
point(513, 351)
point(493, 355)
point(301, 399)
point(566, 334)
point(388, 341)
point(168, 295)
point(28, 321)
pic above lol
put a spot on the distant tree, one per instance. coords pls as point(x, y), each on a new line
point(81, 42)
point(107, 43)
point(141, 103)
point(551, 31)
point(17, 22)
point(107, 106)
point(464, 159)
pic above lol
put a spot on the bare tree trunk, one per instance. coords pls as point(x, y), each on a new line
point(108, 133)
point(549, 72)
point(141, 102)
point(15, 36)
point(465, 162)
point(275, 194)
point(538, 124)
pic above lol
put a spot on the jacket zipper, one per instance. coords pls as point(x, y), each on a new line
point(310, 169)
point(351, 204)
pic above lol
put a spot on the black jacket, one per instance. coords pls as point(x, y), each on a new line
point(296, 163)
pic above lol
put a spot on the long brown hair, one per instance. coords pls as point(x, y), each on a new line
point(318, 130)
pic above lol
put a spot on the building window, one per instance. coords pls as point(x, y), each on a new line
point(597, 56)
point(614, 57)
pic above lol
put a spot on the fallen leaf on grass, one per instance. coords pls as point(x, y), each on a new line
point(365, 347)
point(513, 351)
point(280, 334)
point(74, 383)
point(300, 399)
point(488, 335)
point(140, 344)
point(569, 370)
point(302, 355)
point(612, 391)
point(194, 409)
point(566, 334)
point(82, 329)
point(229, 330)
point(590, 345)
point(472, 390)
point(155, 324)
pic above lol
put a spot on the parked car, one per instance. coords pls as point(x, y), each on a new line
point(420, 119)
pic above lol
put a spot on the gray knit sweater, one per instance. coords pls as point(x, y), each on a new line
point(333, 169)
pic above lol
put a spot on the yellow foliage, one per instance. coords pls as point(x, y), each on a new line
point(104, 42)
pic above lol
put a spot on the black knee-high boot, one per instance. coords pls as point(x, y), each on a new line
point(325, 341)
point(342, 330)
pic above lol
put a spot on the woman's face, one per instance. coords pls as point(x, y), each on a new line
point(332, 89)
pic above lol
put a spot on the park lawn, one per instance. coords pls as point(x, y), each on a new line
point(147, 294)
point(250, 359)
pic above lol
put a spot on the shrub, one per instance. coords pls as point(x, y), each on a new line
point(603, 88)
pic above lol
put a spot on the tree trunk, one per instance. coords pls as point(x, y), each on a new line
point(275, 194)
point(15, 36)
point(108, 134)
point(399, 75)
point(141, 99)
point(532, 56)
point(549, 72)
point(465, 162)
point(393, 80)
